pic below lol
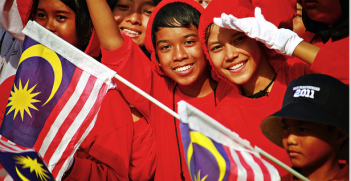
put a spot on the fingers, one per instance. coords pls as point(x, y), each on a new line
point(226, 21)
point(258, 13)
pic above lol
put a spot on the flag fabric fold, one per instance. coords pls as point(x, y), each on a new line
point(213, 152)
point(55, 99)
point(22, 163)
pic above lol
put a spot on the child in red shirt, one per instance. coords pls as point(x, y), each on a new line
point(259, 78)
point(313, 127)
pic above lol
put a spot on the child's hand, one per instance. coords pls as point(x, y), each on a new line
point(282, 40)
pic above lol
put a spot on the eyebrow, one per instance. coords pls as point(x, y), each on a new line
point(59, 11)
point(186, 36)
point(215, 42)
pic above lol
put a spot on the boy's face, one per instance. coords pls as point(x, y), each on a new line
point(308, 144)
point(132, 17)
point(234, 55)
point(326, 11)
point(55, 16)
point(180, 54)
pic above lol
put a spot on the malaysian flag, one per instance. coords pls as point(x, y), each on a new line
point(22, 163)
point(213, 152)
point(55, 98)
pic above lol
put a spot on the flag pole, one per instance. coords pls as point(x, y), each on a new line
point(162, 106)
point(270, 157)
point(147, 96)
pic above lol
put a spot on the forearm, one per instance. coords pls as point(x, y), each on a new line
point(306, 52)
point(104, 24)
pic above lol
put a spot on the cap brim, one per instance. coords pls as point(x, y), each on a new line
point(271, 127)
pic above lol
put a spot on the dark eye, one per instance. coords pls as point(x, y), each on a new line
point(189, 42)
point(301, 129)
point(148, 12)
point(122, 6)
point(203, 2)
point(40, 15)
point(61, 18)
point(216, 48)
point(285, 127)
point(165, 47)
point(238, 39)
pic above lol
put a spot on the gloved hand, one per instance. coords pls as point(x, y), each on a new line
point(282, 40)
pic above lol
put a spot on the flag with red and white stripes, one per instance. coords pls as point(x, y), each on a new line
point(213, 152)
point(55, 98)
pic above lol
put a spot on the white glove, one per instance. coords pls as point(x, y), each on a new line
point(281, 40)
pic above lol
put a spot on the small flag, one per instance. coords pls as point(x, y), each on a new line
point(55, 98)
point(22, 163)
point(213, 152)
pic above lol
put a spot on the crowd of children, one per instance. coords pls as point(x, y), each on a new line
point(238, 61)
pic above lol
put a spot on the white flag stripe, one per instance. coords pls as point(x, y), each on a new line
point(71, 103)
point(75, 125)
point(255, 167)
point(65, 165)
point(242, 174)
point(272, 171)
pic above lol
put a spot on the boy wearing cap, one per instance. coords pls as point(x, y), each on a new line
point(313, 127)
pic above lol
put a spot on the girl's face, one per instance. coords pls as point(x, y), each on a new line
point(132, 17)
point(180, 54)
point(59, 19)
point(234, 55)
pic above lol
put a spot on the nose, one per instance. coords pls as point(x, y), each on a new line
point(180, 53)
point(134, 18)
point(292, 139)
point(231, 52)
point(50, 25)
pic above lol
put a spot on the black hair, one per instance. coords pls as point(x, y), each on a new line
point(84, 25)
point(112, 3)
point(174, 15)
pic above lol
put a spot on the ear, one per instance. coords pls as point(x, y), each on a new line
point(341, 136)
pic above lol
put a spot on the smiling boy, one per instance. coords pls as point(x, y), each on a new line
point(313, 127)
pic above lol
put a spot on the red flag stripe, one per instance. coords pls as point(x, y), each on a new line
point(233, 166)
point(266, 174)
point(69, 120)
point(57, 109)
point(86, 125)
point(249, 170)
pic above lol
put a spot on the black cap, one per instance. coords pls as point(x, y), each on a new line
point(315, 97)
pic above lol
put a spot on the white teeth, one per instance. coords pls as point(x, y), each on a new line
point(179, 69)
point(236, 66)
point(130, 31)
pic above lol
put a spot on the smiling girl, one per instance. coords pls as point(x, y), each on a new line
point(260, 80)
point(105, 152)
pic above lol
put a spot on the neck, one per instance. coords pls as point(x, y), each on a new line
point(322, 173)
point(203, 86)
point(260, 80)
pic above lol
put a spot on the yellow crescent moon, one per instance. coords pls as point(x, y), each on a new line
point(21, 176)
point(50, 56)
point(205, 142)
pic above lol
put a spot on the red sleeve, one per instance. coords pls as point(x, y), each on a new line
point(130, 62)
point(332, 63)
point(105, 153)
point(143, 158)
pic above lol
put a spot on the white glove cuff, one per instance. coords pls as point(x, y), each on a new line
point(292, 41)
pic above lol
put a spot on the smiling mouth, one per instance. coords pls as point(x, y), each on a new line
point(237, 66)
point(184, 68)
point(127, 31)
